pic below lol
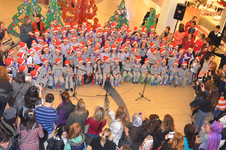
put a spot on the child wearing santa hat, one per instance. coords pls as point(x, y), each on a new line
point(79, 71)
point(116, 74)
point(171, 59)
point(127, 67)
point(71, 33)
point(85, 54)
point(106, 69)
point(164, 72)
point(65, 46)
point(31, 60)
point(41, 78)
point(81, 36)
point(155, 73)
point(77, 56)
point(90, 47)
point(23, 47)
point(145, 70)
point(97, 70)
point(88, 77)
point(136, 69)
point(95, 55)
point(182, 74)
point(174, 70)
point(54, 34)
point(47, 55)
point(68, 74)
point(37, 35)
point(58, 54)
point(46, 38)
point(74, 41)
point(57, 72)
point(69, 55)
point(38, 56)
point(9, 66)
point(46, 72)
point(40, 42)
point(98, 37)
point(36, 79)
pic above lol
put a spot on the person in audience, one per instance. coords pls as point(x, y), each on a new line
point(5, 88)
point(94, 122)
point(125, 147)
point(211, 136)
point(26, 31)
point(118, 122)
point(7, 143)
point(198, 44)
point(215, 36)
point(20, 85)
point(223, 59)
point(179, 36)
point(47, 115)
point(147, 143)
point(7, 123)
point(104, 141)
point(64, 109)
point(61, 134)
point(57, 145)
point(166, 127)
point(79, 116)
point(76, 139)
point(166, 33)
point(188, 24)
point(177, 142)
point(206, 63)
point(190, 137)
point(209, 94)
point(188, 42)
point(29, 131)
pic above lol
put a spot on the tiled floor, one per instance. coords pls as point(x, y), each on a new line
point(164, 99)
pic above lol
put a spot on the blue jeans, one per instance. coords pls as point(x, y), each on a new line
point(216, 112)
point(2, 108)
point(199, 120)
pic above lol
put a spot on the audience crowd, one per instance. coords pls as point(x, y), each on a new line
point(58, 56)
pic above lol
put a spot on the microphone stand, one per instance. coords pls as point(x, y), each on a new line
point(107, 94)
point(145, 83)
point(10, 39)
point(75, 87)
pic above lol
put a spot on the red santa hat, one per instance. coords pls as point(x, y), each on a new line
point(144, 40)
point(34, 73)
point(45, 44)
point(37, 32)
point(96, 49)
point(171, 45)
point(153, 50)
point(11, 58)
point(46, 48)
point(138, 58)
point(67, 62)
point(122, 48)
point(88, 60)
point(38, 49)
point(96, 59)
point(146, 60)
point(30, 51)
point(20, 54)
point(157, 61)
point(22, 44)
point(113, 47)
point(55, 39)
point(44, 60)
point(63, 30)
point(67, 24)
point(136, 29)
point(106, 58)
point(163, 60)
point(78, 51)
point(152, 44)
point(152, 34)
point(176, 62)
point(46, 32)
point(37, 68)
point(55, 29)
point(98, 32)
point(40, 39)
point(75, 24)
point(85, 23)
point(115, 41)
point(119, 39)
point(185, 63)
point(10, 51)
point(134, 50)
point(84, 47)
point(144, 29)
point(72, 29)
point(143, 32)
point(65, 39)
point(105, 47)
point(133, 43)
point(165, 38)
point(82, 43)
point(171, 52)
point(22, 68)
point(58, 27)
point(58, 49)
point(58, 44)
point(152, 28)
point(20, 61)
point(175, 45)
point(81, 31)
point(90, 41)
point(69, 51)
point(190, 48)
point(162, 51)
point(57, 61)
point(181, 50)
point(129, 32)
point(8, 62)
point(80, 60)
point(105, 31)
point(99, 43)
point(98, 26)
point(106, 42)
point(162, 45)
point(127, 41)
point(74, 48)
point(116, 59)
point(113, 25)
point(53, 22)
point(199, 58)
point(73, 37)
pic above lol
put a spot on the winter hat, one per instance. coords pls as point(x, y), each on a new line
point(185, 63)
point(136, 29)
point(74, 48)
point(63, 30)
point(146, 60)
point(175, 45)
point(65, 39)
point(165, 38)
point(119, 39)
point(9, 113)
point(80, 59)
point(53, 22)
point(171, 52)
point(73, 37)
point(144, 40)
point(116, 59)
point(69, 51)
point(67, 24)
point(20, 61)
point(96, 49)
point(84, 47)
point(38, 49)
point(82, 43)
point(81, 31)
point(199, 58)
point(99, 43)
point(75, 24)
point(90, 41)
point(46, 32)
point(138, 57)
point(7, 62)
point(46, 48)
point(67, 62)
point(113, 47)
point(134, 50)
point(78, 51)
point(40, 39)
point(11, 59)
point(55, 39)
point(176, 62)
point(152, 34)
point(88, 60)
point(98, 26)
point(152, 44)
point(33, 43)
point(137, 120)
point(127, 41)
point(153, 50)
point(20, 54)
point(105, 47)
point(21, 68)
point(157, 61)
point(58, 43)
point(22, 44)
point(96, 59)
point(57, 60)
point(45, 44)
point(37, 32)
point(58, 26)
point(58, 49)
point(171, 45)
point(162, 45)
point(34, 73)
point(163, 59)
point(162, 51)
point(30, 51)
point(44, 60)
point(37, 68)
point(133, 43)
point(106, 58)
point(10, 51)
point(152, 28)
point(55, 29)
point(181, 50)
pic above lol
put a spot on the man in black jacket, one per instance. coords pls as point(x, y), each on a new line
point(215, 36)
point(8, 143)
point(223, 59)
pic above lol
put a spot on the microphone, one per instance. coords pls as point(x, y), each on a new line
point(71, 65)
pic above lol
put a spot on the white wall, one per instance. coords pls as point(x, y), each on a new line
point(166, 15)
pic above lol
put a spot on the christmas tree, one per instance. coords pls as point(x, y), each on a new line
point(80, 11)
point(150, 20)
point(53, 14)
point(119, 16)
point(29, 8)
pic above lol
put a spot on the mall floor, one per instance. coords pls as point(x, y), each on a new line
point(164, 99)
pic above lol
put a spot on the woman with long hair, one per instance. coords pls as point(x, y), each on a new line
point(177, 143)
point(118, 123)
point(198, 44)
point(104, 142)
point(190, 137)
point(79, 116)
point(95, 121)
point(64, 109)
point(26, 31)
point(5, 89)
point(29, 126)
point(76, 140)
point(19, 85)
point(179, 35)
point(206, 64)
point(209, 94)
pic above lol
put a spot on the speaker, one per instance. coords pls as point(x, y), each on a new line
point(179, 12)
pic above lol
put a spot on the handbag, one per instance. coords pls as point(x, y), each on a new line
point(88, 139)
point(13, 98)
point(21, 141)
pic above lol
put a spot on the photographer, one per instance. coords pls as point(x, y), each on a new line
point(209, 95)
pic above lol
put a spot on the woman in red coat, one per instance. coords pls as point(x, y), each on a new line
point(188, 42)
point(198, 44)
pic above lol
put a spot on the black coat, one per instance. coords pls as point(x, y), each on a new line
point(216, 39)
point(223, 59)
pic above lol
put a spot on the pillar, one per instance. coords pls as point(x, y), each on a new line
point(166, 15)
